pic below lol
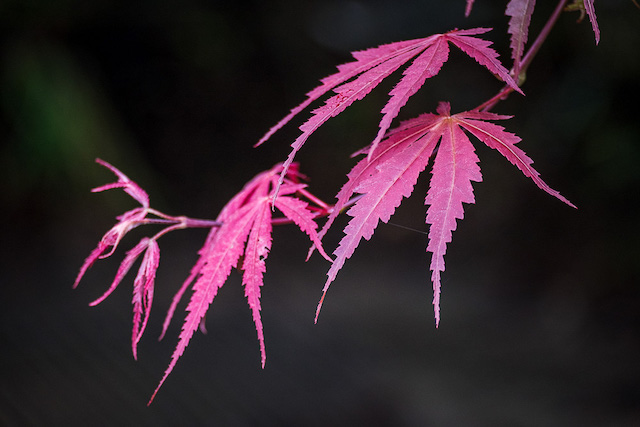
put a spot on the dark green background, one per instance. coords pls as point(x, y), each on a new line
point(540, 322)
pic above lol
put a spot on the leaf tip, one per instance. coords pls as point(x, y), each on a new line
point(315, 320)
point(467, 10)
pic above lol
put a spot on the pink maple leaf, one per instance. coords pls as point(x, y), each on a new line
point(127, 221)
point(394, 168)
point(125, 183)
point(591, 11)
point(245, 231)
point(143, 292)
point(520, 12)
point(467, 10)
point(142, 287)
point(354, 80)
point(126, 264)
point(242, 229)
point(144, 282)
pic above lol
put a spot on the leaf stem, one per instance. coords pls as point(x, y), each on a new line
point(535, 47)
point(314, 199)
point(321, 212)
point(199, 223)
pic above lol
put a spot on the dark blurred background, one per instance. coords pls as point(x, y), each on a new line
point(540, 304)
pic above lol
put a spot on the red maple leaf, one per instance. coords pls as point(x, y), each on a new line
point(520, 12)
point(354, 80)
point(393, 170)
point(144, 282)
point(591, 11)
point(245, 230)
point(468, 7)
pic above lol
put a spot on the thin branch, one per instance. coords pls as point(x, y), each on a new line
point(535, 47)
point(526, 60)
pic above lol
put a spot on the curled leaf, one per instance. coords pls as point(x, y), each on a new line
point(130, 187)
point(143, 292)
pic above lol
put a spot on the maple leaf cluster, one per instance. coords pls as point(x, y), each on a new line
point(240, 237)
point(392, 166)
point(241, 230)
point(246, 230)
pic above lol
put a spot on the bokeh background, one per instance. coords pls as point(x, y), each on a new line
point(540, 305)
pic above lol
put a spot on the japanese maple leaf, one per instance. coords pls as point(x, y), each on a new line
point(591, 11)
point(354, 80)
point(467, 9)
point(586, 6)
point(520, 12)
point(245, 231)
point(393, 170)
point(142, 287)
point(127, 221)
point(144, 282)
